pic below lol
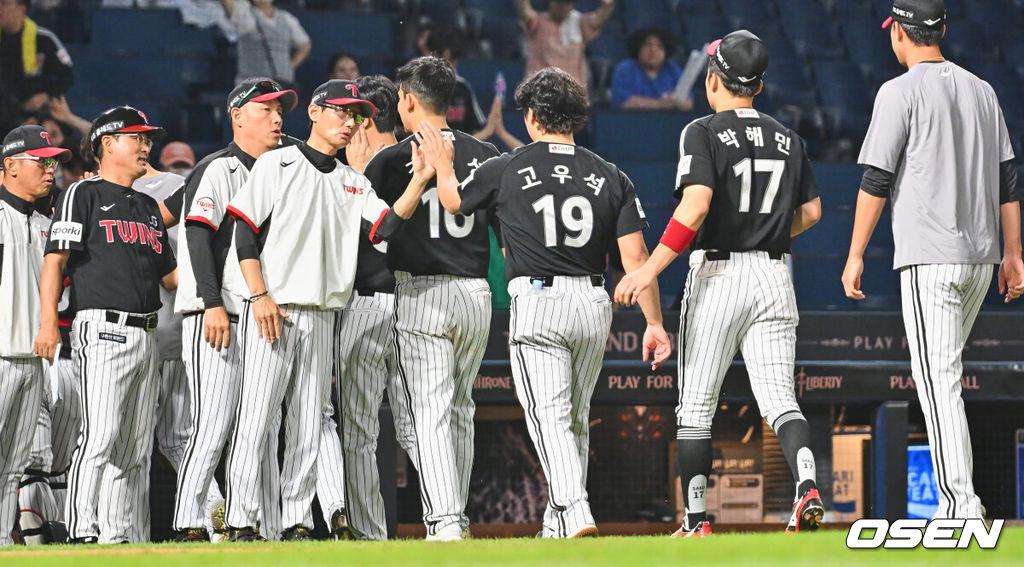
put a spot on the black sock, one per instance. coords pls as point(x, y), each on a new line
point(795, 437)
point(693, 458)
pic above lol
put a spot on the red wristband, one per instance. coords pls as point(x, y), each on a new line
point(677, 236)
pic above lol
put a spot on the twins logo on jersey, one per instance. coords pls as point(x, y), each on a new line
point(131, 232)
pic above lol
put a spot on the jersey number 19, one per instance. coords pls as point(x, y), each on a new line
point(577, 217)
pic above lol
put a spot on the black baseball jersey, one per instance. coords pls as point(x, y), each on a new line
point(372, 273)
point(118, 245)
point(759, 173)
point(433, 240)
point(560, 208)
point(463, 111)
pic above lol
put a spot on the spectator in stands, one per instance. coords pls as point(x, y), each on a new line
point(271, 42)
point(463, 112)
point(343, 65)
point(647, 80)
point(177, 157)
point(557, 38)
point(34, 65)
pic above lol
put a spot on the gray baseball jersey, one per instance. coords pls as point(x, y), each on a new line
point(940, 130)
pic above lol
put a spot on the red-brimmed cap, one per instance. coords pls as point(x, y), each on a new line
point(33, 140)
point(260, 89)
point(339, 92)
point(122, 120)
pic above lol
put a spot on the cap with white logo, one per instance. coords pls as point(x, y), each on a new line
point(924, 13)
point(34, 141)
point(742, 56)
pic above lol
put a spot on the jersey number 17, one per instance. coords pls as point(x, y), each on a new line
point(745, 170)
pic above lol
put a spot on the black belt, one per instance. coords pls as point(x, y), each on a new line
point(370, 292)
point(714, 255)
point(548, 281)
point(65, 351)
point(147, 322)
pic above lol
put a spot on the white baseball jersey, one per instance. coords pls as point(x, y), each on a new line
point(315, 231)
point(168, 329)
point(22, 241)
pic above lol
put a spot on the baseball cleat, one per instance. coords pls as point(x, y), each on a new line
point(339, 525)
point(808, 513)
point(215, 511)
point(192, 535)
point(297, 532)
point(589, 530)
point(703, 528)
point(450, 532)
point(247, 533)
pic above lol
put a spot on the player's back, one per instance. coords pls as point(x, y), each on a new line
point(434, 241)
point(561, 209)
point(759, 174)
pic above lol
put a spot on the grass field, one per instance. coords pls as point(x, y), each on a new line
point(823, 549)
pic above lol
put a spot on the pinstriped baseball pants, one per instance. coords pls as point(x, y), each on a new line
point(214, 380)
point(744, 303)
point(441, 328)
point(940, 304)
point(296, 371)
point(21, 392)
point(557, 340)
point(118, 366)
point(367, 364)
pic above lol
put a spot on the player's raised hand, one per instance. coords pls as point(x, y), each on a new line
point(632, 285)
point(268, 317)
point(421, 166)
point(1011, 277)
point(438, 151)
point(217, 327)
point(359, 151)
point(851, 277)
point(656, 342)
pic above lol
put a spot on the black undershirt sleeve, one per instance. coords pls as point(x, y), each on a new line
point(200, 251)
point(877, 182)
point(246, 242)
point(389, 226)
point(176, 202)
point(1008, 191)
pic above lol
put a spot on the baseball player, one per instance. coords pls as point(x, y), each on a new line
point(746, 188)
point(29, 162)
point(366, 358)
point(561, 208)
point(210, 328)
point(938, 145)
point(442, 301)
point(103, 229)
point(297, 270)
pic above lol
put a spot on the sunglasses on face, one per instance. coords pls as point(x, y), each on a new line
point(348, 112)
point(45, 162)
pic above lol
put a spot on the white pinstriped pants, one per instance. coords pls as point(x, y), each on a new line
point(367, 364)
point(441, 328)
point(118, 366)
point(296, 371)
point(214, 380)
point(557, 339)
point(21, 392)
point(744, 303)
point(940, 304)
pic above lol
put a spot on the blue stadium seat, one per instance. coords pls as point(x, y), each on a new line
point(838, 184)
point(843, 95)
point(492, 9)
point(505, 35)
point(702, 29)
point(147, 31)
point(879, 279)
point(844, 9)
point(986, 13)
point(829, 238)
point(654, 181)
point(737, 11)
point(360, 34)
point(809, 25)
point(646, 13)
point(641, 136)
point(103, 76)
point(1013, 54)
point(818, 285)
point(687, 8)
point(480, 75)
point(868, 47)
point(963, 36)
point(1008, 88)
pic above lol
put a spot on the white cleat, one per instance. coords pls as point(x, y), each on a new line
point(449, 532)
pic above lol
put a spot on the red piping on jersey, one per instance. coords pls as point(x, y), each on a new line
point(207, 222)
point(240, 215)
point(373, 231)
point(64, 322)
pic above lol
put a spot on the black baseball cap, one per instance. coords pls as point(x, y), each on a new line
point(34, 141)
point(924, 13)
point(340, 92)
point(261, 90)
point(742, 56)
point(122, 120)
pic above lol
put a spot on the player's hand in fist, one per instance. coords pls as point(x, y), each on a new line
point(217, 327)
point(47, 341)
point(851, 277)
point(1011, 277)
point(268, 317)
point(632, 285)
point(656, 342)
point(438, 150)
